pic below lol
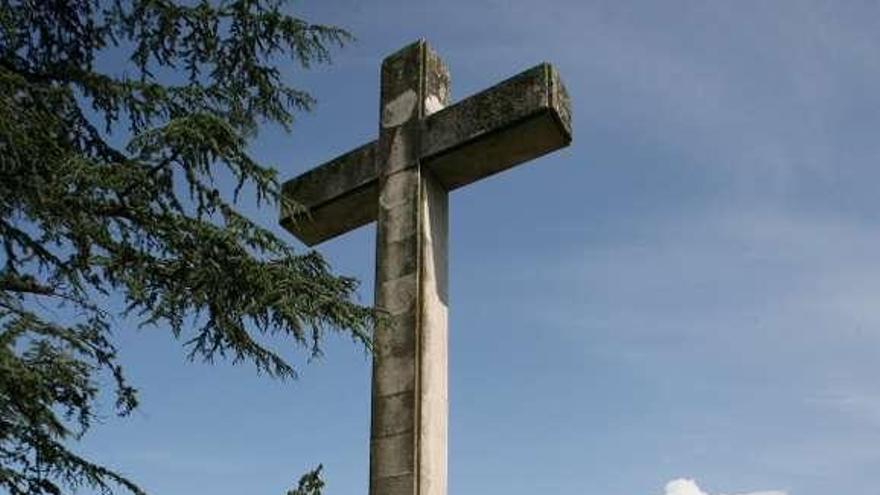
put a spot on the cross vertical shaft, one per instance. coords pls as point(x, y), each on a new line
point(409, 397)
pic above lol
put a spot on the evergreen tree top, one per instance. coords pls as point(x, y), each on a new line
point(81, 216)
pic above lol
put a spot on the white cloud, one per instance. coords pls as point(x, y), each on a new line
point(683, 486)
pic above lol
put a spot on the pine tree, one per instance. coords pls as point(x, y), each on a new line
point(106, 188)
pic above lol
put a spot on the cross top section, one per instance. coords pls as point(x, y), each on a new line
point(516, 120)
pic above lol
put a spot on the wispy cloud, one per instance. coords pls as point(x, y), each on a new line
point(684, 486)
point(861, 405)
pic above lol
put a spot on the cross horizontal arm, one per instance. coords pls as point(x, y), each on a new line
point(337, 196)
point(517, 120)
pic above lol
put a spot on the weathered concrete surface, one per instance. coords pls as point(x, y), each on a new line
point(409, 400)
point(402, 181)
point(433, 337)
point(517, 120)
point(336, 197)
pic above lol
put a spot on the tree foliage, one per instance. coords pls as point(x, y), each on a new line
point(107, 186)
point(309, 483)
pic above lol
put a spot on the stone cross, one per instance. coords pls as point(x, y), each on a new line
point(402, 181)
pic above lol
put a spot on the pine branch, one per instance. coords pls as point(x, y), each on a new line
point(80, 217)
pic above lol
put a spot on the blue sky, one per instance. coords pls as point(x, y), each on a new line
point(684, 302)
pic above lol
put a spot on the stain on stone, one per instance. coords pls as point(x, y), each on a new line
point(400, 109)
